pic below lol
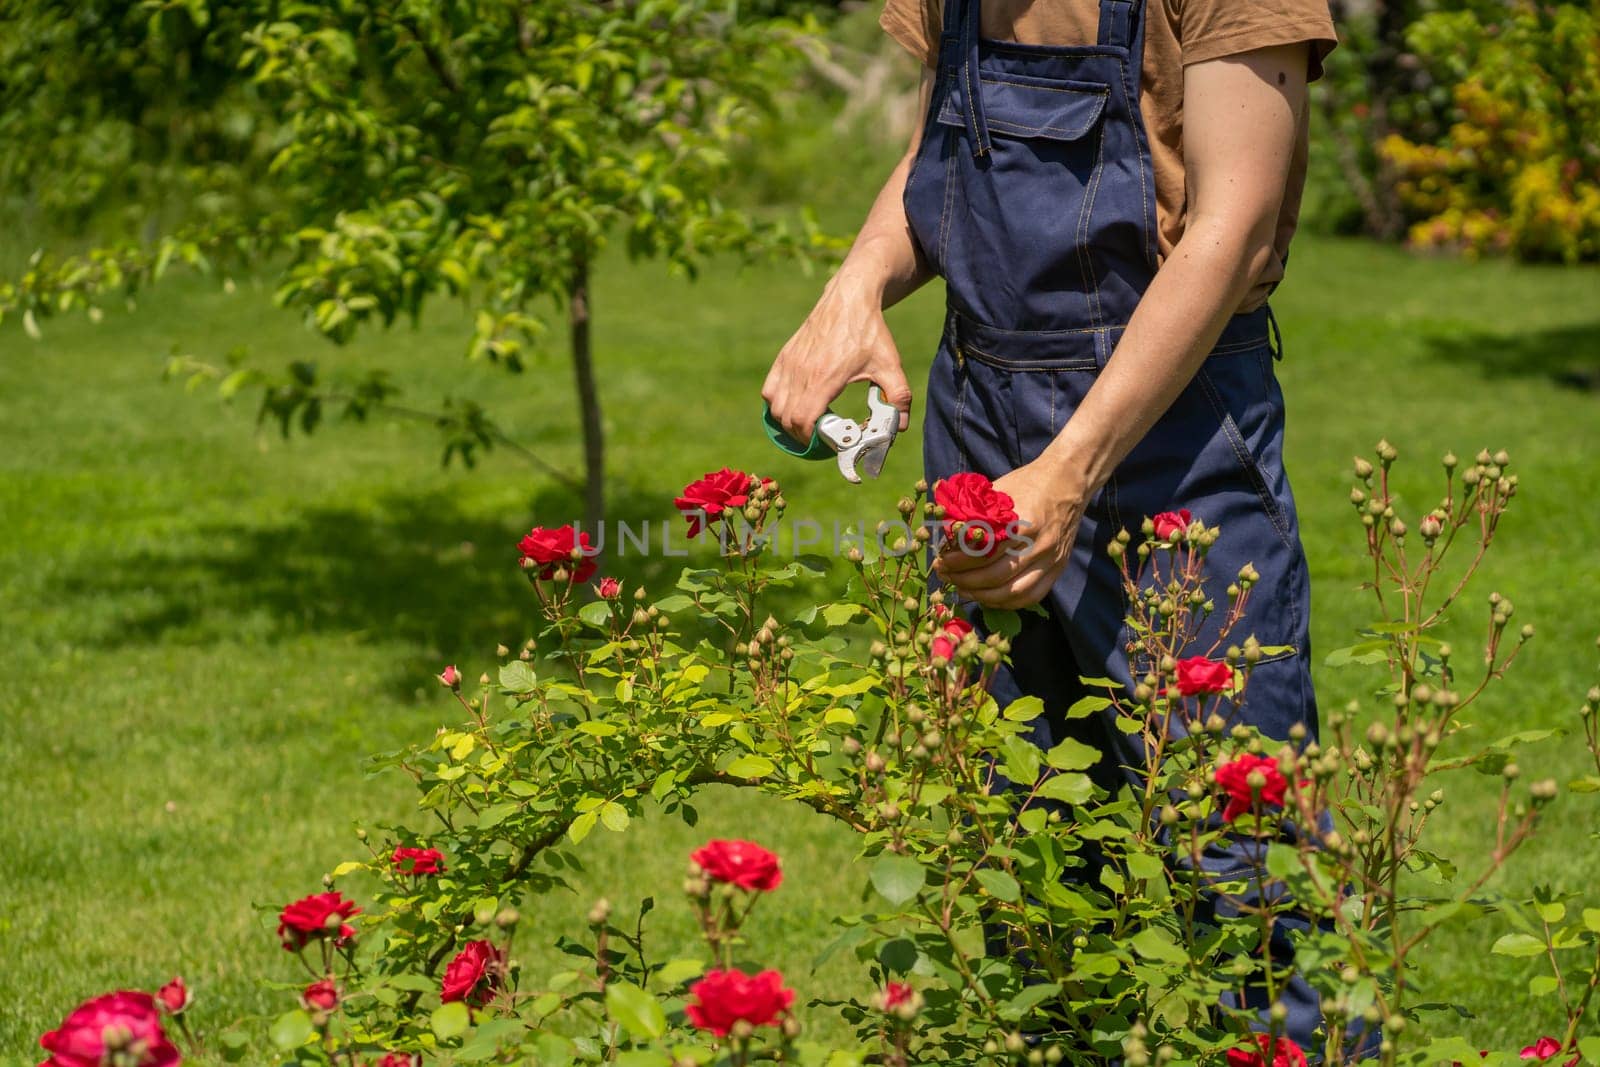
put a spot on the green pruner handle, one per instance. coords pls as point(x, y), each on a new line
point(817, 449)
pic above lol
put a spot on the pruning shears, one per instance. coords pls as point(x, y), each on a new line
point(858, 447)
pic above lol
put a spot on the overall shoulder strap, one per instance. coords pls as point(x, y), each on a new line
point(1119, 22)
point(971, 32)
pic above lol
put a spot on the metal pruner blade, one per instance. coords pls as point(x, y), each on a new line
point(862, 448)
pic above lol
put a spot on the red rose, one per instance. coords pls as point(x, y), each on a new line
point(1172, 525)
point(723, 998)
point(123, 1022)
point(1282, 1053)
point(972, 499)
point(408, 860)
point(896, 994)
point(548, 550)
point(741, 863)
point(1198, 675)
point(450, 678)
point(320, 996)
point(1546, 1047)
point(399, 1059)
point(175, 996)
point(711, 495)
point(1234, 778)
point(949, 638)
point(474, 975)
point(609, 589)
point(317, 916)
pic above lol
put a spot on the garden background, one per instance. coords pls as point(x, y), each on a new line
point(208, 624)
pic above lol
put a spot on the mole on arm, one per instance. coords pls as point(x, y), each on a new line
point(1282, 77)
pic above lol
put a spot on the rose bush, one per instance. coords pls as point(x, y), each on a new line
point(874, 710)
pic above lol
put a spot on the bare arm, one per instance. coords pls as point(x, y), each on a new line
point(845, 338)
point(1240, 124)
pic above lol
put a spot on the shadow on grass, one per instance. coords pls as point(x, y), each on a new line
point(1566, 355)
point(414, 569)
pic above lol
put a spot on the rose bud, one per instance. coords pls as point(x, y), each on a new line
point(609, 589)
point(175, 996)
point(450, 678)
point(321, 996)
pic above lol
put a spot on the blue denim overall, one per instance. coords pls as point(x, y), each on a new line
point(1032, 194)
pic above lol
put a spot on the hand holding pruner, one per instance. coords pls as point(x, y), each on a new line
point(859, 447)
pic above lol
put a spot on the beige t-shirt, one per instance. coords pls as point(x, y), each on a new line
point(1177, 32)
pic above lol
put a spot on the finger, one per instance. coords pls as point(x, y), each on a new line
point(996, 575)
point(890, 378)
point(952, 559)
point(1023, 591)
point(800, 416)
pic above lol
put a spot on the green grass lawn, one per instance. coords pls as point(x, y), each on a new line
point(206, 628)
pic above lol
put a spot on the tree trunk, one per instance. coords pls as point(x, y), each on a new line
point(594, 501)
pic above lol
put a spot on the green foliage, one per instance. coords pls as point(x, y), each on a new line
point(483, 151)
point(1464, 125)
point(488, 149)
point(625, 705)
point(1518, 169)
point(121, 110)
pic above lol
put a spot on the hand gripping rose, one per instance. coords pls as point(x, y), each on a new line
point(858, 447)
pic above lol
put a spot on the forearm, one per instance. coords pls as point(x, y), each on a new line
point(1177, 323)
point(884, 263)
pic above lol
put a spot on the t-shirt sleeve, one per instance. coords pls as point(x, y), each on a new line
point(1212, 29)
point(916, 25)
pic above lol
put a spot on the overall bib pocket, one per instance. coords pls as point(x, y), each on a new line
point(1047, 151)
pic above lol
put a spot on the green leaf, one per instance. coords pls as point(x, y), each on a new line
point(643, 1057)
point(636, 1011)
point(614, 816)
point(450, 1020)
point(581, 826)
point(999, 884)
point(1083, 707)
point(1518, 945)
point(1030, 998)
point(1551, 911)
point(291, 1030)
point(749, 765)
point(234, 1043)
point(518, 677)
point(1590, 1047)
point(596, 614)
point(1004, 623)
point(498, 813)
point(1591, 919)
point(676, 972)
point(1367, 652)
point(897, 878)
point(1070, 787)
point(1587, 784)
point(1154, 943)
point(1021, 760)
point(1072, 755)
point(675, 602)
point(836, 615)
point(1023, 709)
